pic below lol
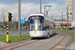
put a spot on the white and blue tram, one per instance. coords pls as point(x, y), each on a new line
point(40, 26)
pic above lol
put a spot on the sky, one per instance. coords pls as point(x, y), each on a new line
point(31, 7)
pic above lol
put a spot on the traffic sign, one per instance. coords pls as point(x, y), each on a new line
point(14, 24)
point(4, 26)
point(22, 21)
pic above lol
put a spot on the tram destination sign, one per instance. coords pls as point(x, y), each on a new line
point(35, 17)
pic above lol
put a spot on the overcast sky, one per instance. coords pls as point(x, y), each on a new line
point(32, 6)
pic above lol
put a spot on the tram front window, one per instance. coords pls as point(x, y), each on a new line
point(36, 25)
point(32, 27)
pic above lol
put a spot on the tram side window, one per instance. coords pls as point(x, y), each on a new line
point(46, 25)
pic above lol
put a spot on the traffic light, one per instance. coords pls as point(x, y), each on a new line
point(10, 16)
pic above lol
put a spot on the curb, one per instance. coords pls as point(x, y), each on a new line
point(14, 44)
point(18, 45)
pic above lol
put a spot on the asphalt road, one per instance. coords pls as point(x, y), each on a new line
point(14, 32)
point(42, 44)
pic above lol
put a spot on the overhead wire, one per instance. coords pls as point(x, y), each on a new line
point(56, 5)
point(46, 3)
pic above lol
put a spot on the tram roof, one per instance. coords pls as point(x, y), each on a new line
point(37, 14)
point(47, 18)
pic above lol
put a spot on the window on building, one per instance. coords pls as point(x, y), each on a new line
point(70, 2)
point(70, 5)
point(70, 9)
point(70, 21)
point(70, 17)
point(70, 13)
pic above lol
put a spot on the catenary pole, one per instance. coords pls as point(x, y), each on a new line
point(19, 17)
point(40, 6)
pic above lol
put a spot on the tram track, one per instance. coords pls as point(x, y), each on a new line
point(69, 40)
point(18, 44)
point(63, 36)
point(57, 43)
point(57, 46)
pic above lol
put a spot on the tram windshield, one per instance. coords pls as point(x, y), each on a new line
point(36, 24)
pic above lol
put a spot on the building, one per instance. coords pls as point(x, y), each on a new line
point(69, 4)
point(73, 9)
point(59, 24)
point(71, 15)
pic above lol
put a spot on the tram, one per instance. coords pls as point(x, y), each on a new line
point(40, 26)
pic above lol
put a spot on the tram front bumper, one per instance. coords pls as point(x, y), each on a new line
point(38, 34)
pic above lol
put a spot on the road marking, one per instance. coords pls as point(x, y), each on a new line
point(17, 45)
point(12, 47)
point(59, 47)
point(63, 44)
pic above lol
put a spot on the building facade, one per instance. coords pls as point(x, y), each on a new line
point(59, 24)
point(69, 4)
point(73, 9)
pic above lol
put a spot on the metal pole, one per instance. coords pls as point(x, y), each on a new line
point(19, 17)
point(62, 20)
point(7, 36)
point(67, 18)
point(3, 18)
point(40, 6)
point(22, 26)
point(44, 10)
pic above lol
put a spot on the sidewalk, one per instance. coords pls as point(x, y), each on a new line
point(3, 44)
point(7, 46)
